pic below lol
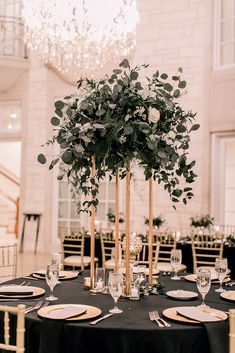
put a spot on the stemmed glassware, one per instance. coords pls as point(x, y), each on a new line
point(203, 283)
point(176, 259)
point(52, 275)
point(115, 289)
point(221, 267)
point(57, 261)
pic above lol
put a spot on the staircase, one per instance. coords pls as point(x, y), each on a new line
point(9, 204)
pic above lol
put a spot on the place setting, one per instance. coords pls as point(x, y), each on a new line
point(195, 314)
point(63, 275)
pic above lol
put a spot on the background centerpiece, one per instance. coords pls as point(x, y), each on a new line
point(111, 122)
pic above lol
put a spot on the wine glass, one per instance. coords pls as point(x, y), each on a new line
point(57, 261)
point(176, 259)
point(221, 267)
point(52, 275)
point(203, 283)
point(115, 289)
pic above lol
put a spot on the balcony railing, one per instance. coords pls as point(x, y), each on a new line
point(11, 37)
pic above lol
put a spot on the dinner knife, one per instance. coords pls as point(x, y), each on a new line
point(100, 319)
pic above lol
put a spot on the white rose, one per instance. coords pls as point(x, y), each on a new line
point(153, 115)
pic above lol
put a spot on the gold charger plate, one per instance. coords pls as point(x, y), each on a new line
point(229, 295)
point(65, 275)
point(91, 311)
point(37, 292)
point(192, 278)
point(171, 313)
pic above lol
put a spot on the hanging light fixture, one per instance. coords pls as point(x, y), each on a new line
point(79, 37)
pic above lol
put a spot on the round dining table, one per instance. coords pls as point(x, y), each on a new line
point(132, 331)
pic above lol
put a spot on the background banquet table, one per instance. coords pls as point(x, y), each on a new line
point(129, 332)
point(187, 257)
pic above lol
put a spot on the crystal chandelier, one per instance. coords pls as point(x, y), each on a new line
point(80, 37)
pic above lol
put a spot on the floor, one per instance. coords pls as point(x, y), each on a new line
point(29, 262)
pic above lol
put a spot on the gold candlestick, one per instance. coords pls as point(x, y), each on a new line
point(117, 223)
point(150, 259)
point(92, 246)
point(128, 181)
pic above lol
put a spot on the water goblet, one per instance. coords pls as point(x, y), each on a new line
point(57, 261)
point(52, 275)
point(115, 289)
point(203, 284)
point(221, 267)
point(176, 259)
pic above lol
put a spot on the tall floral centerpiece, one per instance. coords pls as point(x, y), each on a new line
point(110, 122)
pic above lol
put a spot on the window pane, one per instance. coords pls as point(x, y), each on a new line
point(226, 54)
point(102, 191)
point(63, 209)
point(111, 191)
point(227, 8)
point(227, 30)
point(63, 190)
point(73, 211)
point(101, 212)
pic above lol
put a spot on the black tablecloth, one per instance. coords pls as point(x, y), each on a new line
point(129, 332)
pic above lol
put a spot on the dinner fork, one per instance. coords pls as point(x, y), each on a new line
point(157, 317)
point(152, 318)
point(35, 307)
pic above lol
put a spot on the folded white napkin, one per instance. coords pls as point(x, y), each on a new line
point(18, 290)
point(197, 314)
point(66, 313)
point(43, 273)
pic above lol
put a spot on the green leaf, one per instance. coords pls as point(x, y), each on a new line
point(55, 121)
point(177, 192)
point(168, 87)
point(67, 157)
point(181, 128)
point(67, 97)
point(182, 84)
point(128, 130)
point(41, 158)
point(59, 113)
point(125, 64)
point(134, 75)
point(79, 83)
point(175, 78)
point(60, 177)
point(59, 105)
point(164, 76)
point(78, 148)
point(180, 70)
point(53, 163)
point(195, 127)
point(117, 71)
point(187, 189)
point(176, 93)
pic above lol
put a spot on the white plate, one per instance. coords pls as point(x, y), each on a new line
point(181, 294)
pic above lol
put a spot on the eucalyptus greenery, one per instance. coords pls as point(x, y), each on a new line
point(202, 221)
point(118, 120)
point(157, 221)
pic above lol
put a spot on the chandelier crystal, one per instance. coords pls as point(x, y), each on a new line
point(80, 37)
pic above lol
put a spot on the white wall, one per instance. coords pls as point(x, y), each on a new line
point(10, 156)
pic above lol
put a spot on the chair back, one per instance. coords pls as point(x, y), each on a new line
point(8, 260)
point(232, 331)
point(73, 243)
point(142, 257)
point(20, 328)
point(107, 249)
point(167, 241)
point(206, 247)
